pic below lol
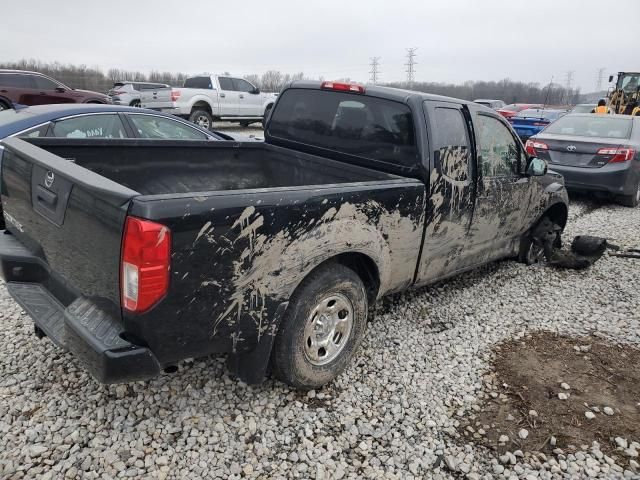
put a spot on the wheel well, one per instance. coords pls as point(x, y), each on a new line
point(5, 102)
point(364, 266)
point(558, 213)
point(201, 106)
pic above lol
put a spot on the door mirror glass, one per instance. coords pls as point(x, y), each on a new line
point(255, 91)
point(537, 167)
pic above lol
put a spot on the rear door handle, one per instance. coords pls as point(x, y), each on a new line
point(241, 96)
point(223, 95)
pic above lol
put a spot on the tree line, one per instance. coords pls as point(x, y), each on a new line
point(93, 78)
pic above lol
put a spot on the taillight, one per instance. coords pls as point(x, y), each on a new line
point(175, 95)
point(146, 256)
point(532, 145)
point(621, 154)
point(343, 87)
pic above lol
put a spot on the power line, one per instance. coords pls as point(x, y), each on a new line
point(374, 69)
point(411, 64)
point(600, 79)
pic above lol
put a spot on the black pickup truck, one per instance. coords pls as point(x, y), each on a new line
point(135, 255)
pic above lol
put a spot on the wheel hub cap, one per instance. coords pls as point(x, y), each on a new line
point(328, 329)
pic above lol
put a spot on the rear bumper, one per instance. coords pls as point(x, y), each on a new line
point(614, 179)
point(84, 327)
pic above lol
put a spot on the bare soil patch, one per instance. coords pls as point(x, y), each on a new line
point(528, 375)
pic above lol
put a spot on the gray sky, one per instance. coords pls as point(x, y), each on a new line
point(457, 40)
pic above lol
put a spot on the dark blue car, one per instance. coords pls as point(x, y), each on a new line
point(531, 121)
point(99, 121)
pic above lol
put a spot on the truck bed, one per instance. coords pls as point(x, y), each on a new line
point(153, 168)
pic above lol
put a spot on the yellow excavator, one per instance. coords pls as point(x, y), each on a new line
point(624, 98)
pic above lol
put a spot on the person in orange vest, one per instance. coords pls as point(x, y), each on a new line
point(602, 107)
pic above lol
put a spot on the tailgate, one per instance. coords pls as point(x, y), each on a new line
point(68, 217)
point(156, 98)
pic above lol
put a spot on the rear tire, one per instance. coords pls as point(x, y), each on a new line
point(632, 200)
point(322, 328)
point(202, 118)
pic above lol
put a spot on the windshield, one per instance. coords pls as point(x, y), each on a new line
point(536, 113)
point(630, 83)
point(591, 126)
point(583, 108)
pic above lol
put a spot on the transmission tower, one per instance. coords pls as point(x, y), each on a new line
point(374, 69)
point(411, 64)
point(600, 79)
point(569, 79)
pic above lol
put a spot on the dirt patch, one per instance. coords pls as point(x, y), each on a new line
point(529, 374)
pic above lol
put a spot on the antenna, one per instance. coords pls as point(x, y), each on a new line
point(374, 70)
point(411, 63)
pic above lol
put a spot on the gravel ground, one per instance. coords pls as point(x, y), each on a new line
point(392, 414)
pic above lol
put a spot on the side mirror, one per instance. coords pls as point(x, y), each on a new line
point(537, 167)
point(255, 91)
point(61, 89)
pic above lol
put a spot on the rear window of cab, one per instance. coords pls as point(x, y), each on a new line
point(353, 124)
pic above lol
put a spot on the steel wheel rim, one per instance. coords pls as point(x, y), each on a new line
point(535, 253)
point(202, 121)
point(328, 329)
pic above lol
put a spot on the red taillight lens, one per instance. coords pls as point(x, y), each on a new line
point(343, 87)
point(146, 256)
point(175, 95)
point(622, 154)
point(531, 146)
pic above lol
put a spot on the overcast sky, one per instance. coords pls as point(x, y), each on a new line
point(456, 40)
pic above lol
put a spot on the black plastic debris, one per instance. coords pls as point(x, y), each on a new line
point(585, 251)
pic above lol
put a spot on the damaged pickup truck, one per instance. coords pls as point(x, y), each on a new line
point(135, 255)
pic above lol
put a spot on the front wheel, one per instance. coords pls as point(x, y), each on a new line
point(202, 118)
point(632, 200)
point(537, 245)
point(322, 329)
point(135, 103)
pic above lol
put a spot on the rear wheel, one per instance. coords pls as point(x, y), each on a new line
point(3, 106)
point(632, 200)
point(322, 329)
point(135, 103)
point(202, 118)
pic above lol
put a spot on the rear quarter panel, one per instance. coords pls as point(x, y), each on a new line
point(237, 256)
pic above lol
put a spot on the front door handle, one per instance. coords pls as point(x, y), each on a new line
point(241, 96)
point(222, 95)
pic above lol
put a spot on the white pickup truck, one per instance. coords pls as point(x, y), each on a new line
point(207, 98)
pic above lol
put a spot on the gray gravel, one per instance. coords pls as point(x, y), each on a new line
point(392, 414)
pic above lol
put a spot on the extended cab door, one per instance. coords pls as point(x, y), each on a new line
point(250, 101)
point(229, 98)
point(503, 193)
point(451, 190)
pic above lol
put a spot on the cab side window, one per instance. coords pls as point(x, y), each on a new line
point(242, 85)
point(499, 153)
point(452, 146)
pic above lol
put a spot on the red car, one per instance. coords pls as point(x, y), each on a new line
point(31, 88)
point(512, 109)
